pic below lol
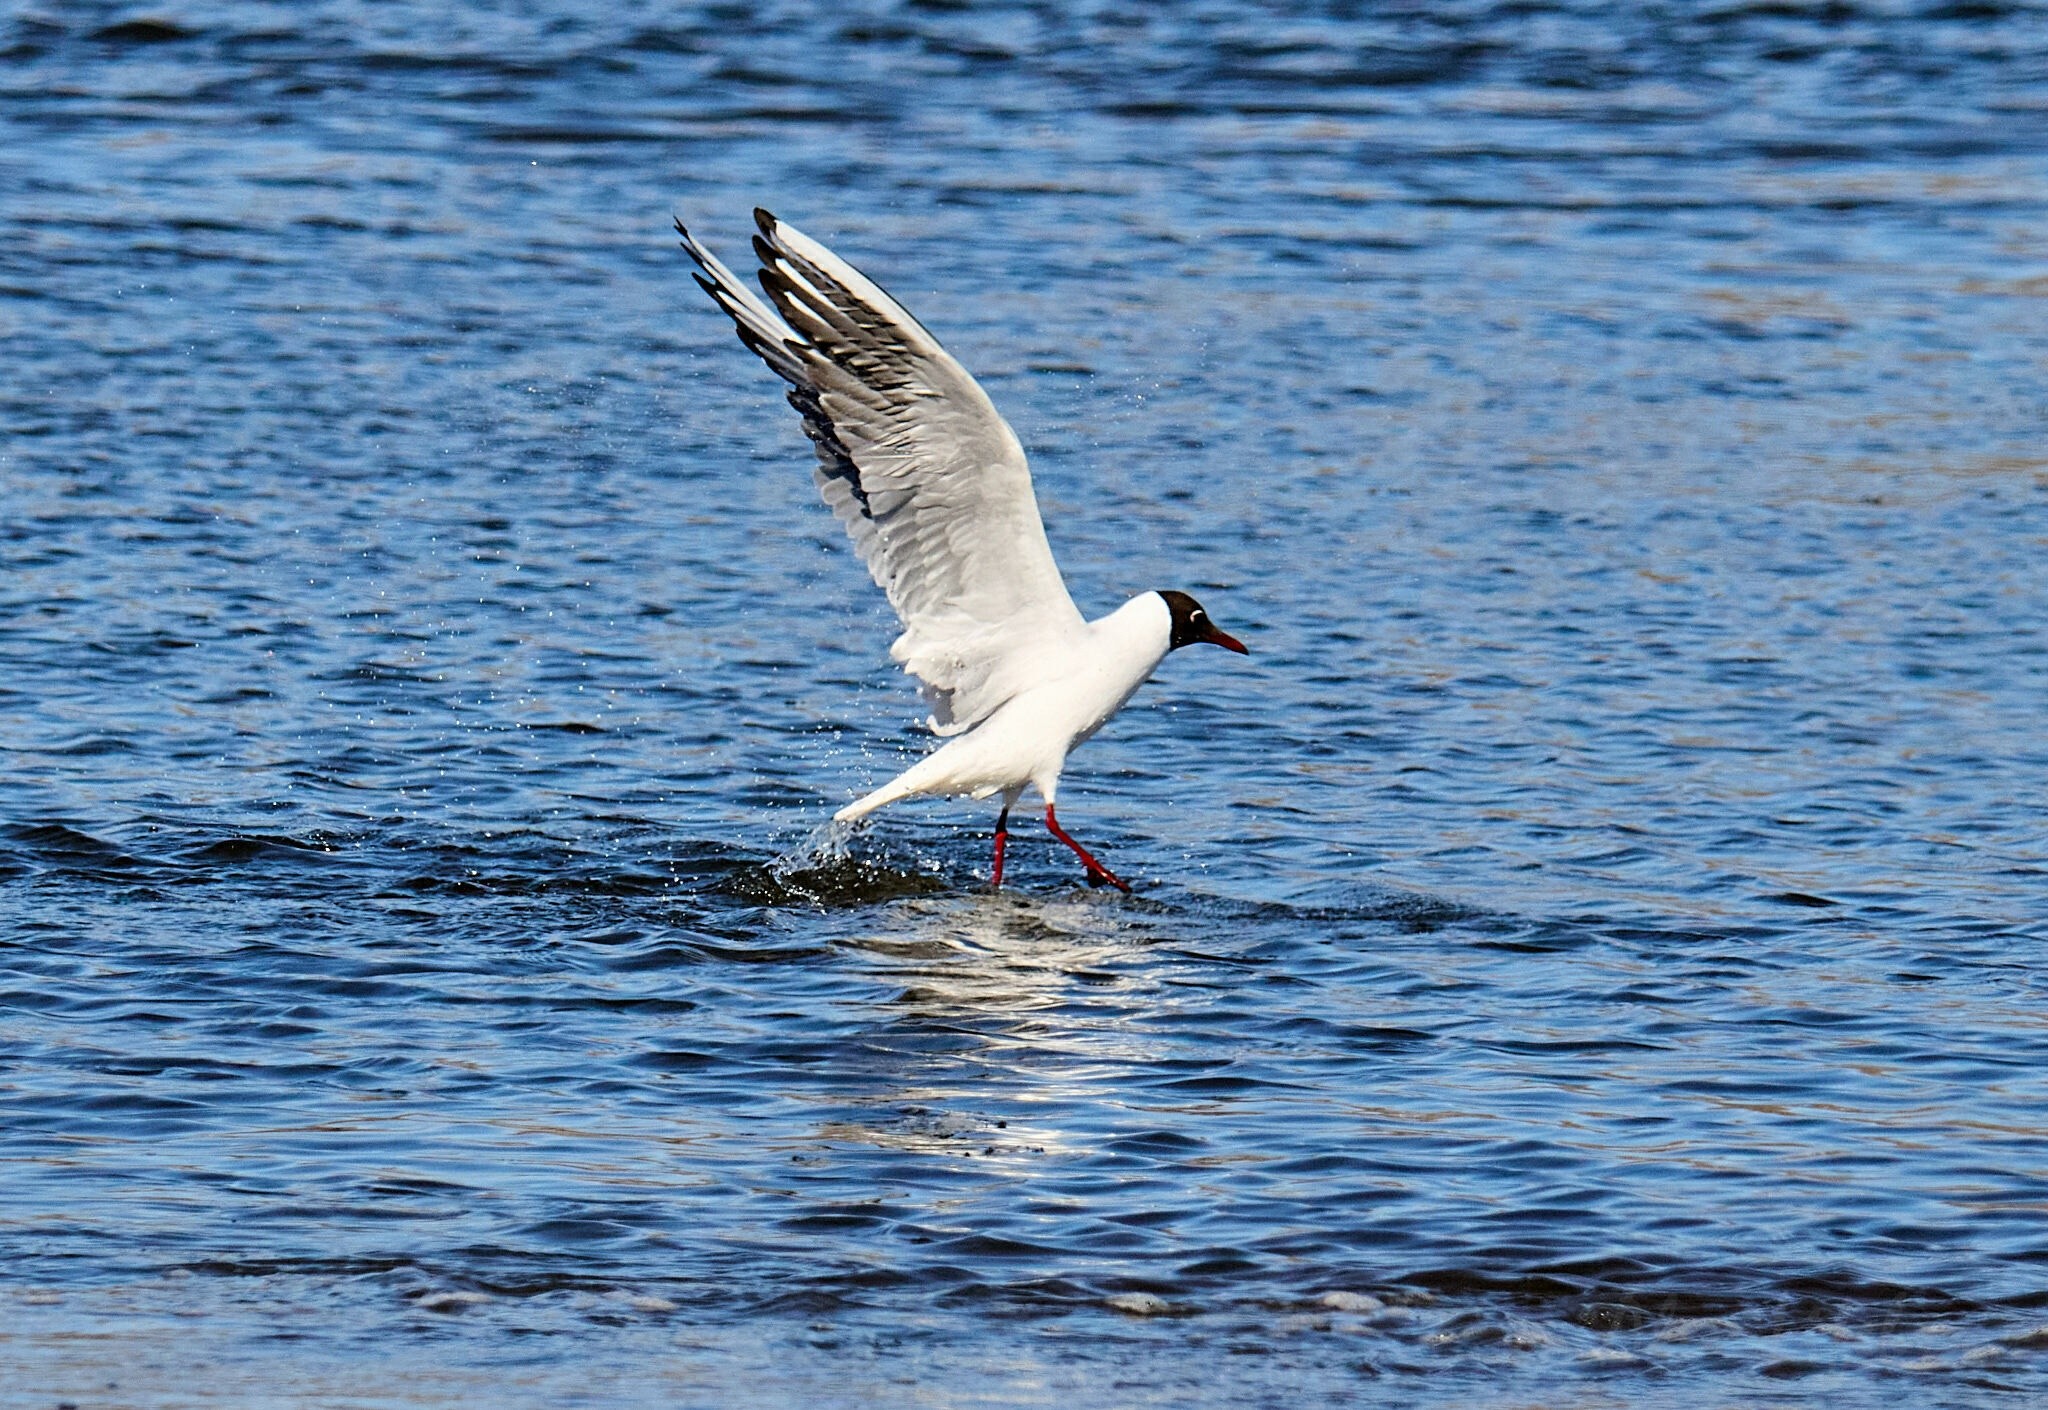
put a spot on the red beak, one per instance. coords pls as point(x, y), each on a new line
point(1226, 641)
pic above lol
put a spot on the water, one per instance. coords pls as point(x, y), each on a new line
point(1589, 954)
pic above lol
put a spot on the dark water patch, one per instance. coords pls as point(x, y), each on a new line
point(54, 846)
point(241, 849)
point(846, 881)
point(1345, 901)
point(1800, 898)
point(143, 31)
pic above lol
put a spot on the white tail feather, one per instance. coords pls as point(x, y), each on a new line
point(934, 773)
point(888, 793)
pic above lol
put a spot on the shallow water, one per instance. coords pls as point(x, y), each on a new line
point(1588, 955)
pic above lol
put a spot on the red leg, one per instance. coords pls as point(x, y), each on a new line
point(1098, 874)
point(995, 882)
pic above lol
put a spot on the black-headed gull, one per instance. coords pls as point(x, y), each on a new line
point(932, 484)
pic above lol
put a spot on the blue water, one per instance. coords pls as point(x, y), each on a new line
point(1590, 954)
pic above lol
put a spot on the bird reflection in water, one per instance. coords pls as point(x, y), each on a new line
point(981, 987)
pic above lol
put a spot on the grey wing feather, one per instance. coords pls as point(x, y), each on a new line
point(914, 459)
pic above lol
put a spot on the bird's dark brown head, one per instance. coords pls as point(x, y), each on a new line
point(1191, 624)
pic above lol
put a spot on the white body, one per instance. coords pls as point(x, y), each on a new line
point(1083, 680)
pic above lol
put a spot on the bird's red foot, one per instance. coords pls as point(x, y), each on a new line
point(1098, 874)
point(1102, 876)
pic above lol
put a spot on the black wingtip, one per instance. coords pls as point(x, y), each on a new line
point(764, 219)
point(678, 223)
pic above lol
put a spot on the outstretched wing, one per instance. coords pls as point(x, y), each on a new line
point(928, 478)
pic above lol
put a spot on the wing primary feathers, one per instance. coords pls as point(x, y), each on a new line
point(916, 462)
point(784, 357)
point(834, 460)
point(844, 287)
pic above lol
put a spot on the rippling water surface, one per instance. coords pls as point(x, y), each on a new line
point(1590, 954)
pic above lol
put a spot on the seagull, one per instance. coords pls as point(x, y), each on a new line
point(932, 485)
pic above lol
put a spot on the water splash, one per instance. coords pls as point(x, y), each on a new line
point(828, 844)
point(822, 869)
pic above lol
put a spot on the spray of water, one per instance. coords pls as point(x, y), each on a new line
point(829, 844)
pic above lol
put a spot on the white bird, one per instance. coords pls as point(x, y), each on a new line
point(932, 484)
